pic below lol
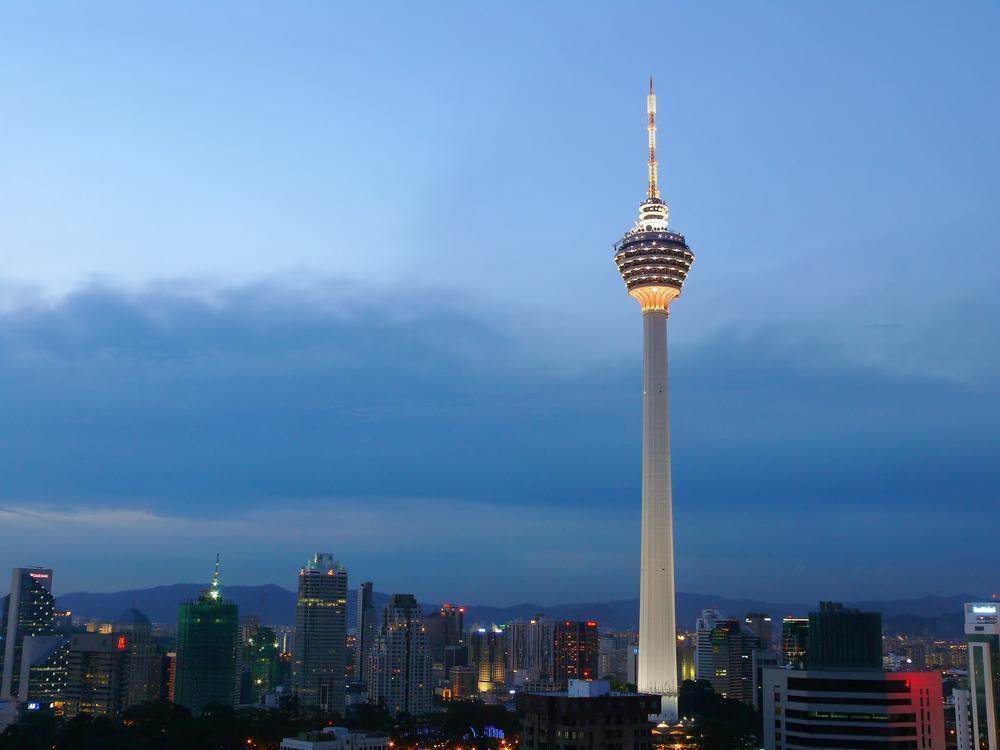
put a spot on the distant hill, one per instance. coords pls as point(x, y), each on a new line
point(940, 616)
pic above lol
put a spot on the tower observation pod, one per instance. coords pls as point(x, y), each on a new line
point(654, 263)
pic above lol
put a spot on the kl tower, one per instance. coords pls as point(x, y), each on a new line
point(653, 262)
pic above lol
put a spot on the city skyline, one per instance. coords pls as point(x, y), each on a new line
point(201, 335)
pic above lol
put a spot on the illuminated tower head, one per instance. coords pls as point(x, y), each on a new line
point(652, 260)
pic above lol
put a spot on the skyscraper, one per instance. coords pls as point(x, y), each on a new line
point(654, 262)
point(489, 654)
point(794, 639)
point(143, 678)
point(759, 623)
point(399, 671)
point(843, 638)
point(575, 651)
point(320, 629)
point(445, 628)
point(259, 663)
point(207, 663)
point(97, 674)
point(367, 630)
point(529, 648)
point(43, 668)
point(728, 666)
point(29, 609)
point(982, 631)
point(704, 663)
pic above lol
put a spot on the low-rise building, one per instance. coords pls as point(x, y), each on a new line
point(587, 715)
point(336, 738)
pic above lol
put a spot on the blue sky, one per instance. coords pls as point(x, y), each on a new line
point(277, 278)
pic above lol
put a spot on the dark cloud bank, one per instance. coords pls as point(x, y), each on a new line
point(197, 404)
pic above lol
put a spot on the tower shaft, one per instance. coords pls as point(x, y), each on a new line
point(657, 671)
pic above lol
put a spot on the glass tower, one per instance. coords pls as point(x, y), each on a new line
point(207, 650)
point(29, 609)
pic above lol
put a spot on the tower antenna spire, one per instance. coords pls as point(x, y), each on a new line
point(215, 577)
point(654, 187)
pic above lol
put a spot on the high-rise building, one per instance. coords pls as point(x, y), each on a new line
point(320, 629)
point(259, 663)
point(143, 680)
point(529, 648)
point(456, 656)
point(842, 638)
point(762, 659)
point(168, 688)
point(654, 262)
point(97, 674)
point(759, 623)
point(860, 709)
point(794, 640)
point(961, 699)
point(686, 651)
point(207, 664)
point(729, 662)
point(445, 628)
point(490, 657)
point(400, 660)
point(575, 651)
point(464, 682)
point(29, 609)
point(614, 652)
point(704, 661)
point(367, 630)
point(982, 631)
point(43, 669)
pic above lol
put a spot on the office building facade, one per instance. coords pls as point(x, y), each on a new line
point(575, 651)
point(29, 609)
point(367, 629)
point(490, 657)
point(207, 662)
point(808, 709)
point(586, 715)
point(843, 638)
point(400, 660)
point(318, 675)
point(794, 641)
point(97, 674)
point(982, 632)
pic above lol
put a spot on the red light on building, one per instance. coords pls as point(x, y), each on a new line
point(122, 644)
point(591, 624)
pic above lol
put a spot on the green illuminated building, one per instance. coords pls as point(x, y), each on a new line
point(207, 650)
point(259, 664)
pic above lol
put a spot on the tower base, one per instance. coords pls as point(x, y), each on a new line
point(669, 713)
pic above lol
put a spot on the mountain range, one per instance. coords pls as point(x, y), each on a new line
point(938, 616)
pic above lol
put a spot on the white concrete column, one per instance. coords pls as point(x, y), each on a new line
point(657, 617)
